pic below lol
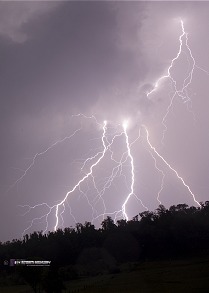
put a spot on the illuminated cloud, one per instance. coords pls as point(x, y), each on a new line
point(101, 59)
point(16, 15)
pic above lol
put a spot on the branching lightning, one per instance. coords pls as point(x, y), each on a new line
point(116, 170)
point(91, 163)
point(169, 166)
point(162, 178)
point(100, 156)
point(125, 125)
point(182, 92)
point(41, 154)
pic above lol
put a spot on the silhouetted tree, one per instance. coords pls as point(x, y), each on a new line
point(108, 225)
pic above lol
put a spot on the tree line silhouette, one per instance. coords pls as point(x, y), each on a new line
point(180, 231)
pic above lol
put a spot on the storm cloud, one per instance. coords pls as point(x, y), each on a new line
point(64, 58)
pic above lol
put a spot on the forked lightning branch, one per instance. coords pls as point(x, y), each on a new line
point(57, 211)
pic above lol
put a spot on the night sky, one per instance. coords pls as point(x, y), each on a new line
point(61, 59)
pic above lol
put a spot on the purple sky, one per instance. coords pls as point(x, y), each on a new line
point(65, 58)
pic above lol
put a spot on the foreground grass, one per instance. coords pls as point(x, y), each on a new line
point(152, 277)
point(16, 289)
point(190, 276)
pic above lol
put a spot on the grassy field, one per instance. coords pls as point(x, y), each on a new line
point(177, 276)
point(190, 276)
point(16, 289)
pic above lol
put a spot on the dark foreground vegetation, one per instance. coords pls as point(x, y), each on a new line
point(162, 251)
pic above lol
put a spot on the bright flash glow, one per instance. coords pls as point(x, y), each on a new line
point(125, 125)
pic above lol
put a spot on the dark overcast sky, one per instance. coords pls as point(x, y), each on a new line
point(63, 58)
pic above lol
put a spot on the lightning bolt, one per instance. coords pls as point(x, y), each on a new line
point(56, 207)
point(37, 155)
point(169, 166)
point(183, 91)
point(126, 158)
point(168, 75)
point(125, 125)
point(59, 208)
point(162, 177)
point(25, 172)
point(117, 169)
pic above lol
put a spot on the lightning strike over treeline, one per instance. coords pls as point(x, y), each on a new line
point(169, 166)
point(124, 167)
point(97, 158)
